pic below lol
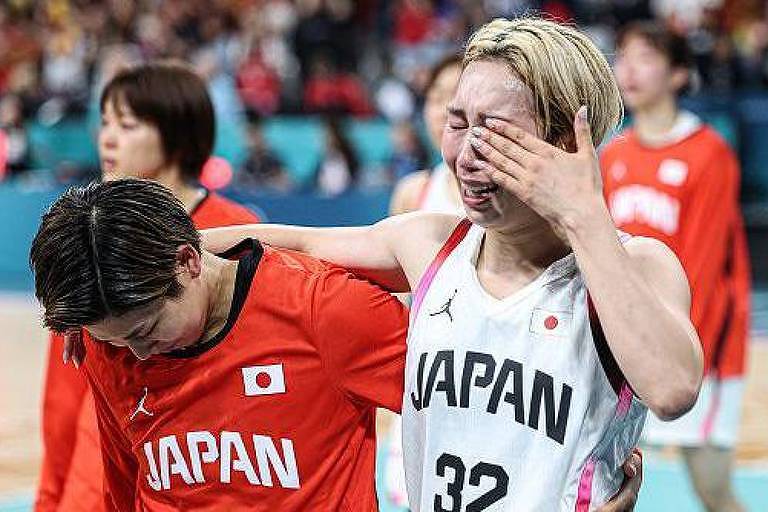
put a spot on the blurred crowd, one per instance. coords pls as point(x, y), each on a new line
point(359, 58)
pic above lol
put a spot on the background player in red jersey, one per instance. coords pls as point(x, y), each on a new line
point(673, 178)
point(248, 385)
point(157, 123)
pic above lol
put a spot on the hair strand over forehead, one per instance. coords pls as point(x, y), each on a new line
point(562, 68)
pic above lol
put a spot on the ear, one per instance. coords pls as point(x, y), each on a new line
point(188, 260)
point(680, 77)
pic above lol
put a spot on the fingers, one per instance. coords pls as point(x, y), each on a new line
point(520, 137)
point(637, 458)
point(499, 160)
point(626, 498)
point(503, 179)
point(583, 132)
point(74, 347)
point(502, 144)
point(633, 465)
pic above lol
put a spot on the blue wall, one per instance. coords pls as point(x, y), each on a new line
point(20, 212)
point(298, 141)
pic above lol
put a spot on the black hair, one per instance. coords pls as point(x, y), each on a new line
point(173, 98)
point(673, 46)
point(108, 248)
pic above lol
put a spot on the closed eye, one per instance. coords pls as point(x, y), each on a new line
point(456, 121)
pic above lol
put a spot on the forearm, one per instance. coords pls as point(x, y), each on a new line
point(654, 344)
point(359, 249)
point(218, 240)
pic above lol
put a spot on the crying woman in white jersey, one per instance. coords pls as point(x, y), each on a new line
point(539, 335)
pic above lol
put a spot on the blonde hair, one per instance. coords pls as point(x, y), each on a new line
point(562, 68)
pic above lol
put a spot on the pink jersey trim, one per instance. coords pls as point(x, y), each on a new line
point(625, 400)
point(426, 280)
point(584, 498)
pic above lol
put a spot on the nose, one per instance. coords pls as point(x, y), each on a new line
point(107, 136)
point(467, 156)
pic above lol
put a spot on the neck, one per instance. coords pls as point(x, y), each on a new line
point(187, 193)
point(654, 122)
point(511, 258)
point(220, 276)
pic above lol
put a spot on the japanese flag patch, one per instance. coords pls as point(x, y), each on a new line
point(264, 380)
point(551, 323)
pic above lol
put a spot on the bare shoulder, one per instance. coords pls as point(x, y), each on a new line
point(405, 197)
point(424, 226)
point(649, 250)
point(415, 238)
point(660, 266)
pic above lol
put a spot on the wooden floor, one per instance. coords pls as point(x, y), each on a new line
point(23, 351)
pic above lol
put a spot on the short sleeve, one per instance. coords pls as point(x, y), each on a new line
point(360, 332)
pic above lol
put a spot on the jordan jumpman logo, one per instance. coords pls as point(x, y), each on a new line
point(140, 407)
point(446, 307)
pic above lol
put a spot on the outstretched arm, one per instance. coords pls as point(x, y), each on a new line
point(389, 253)
point(393, 253)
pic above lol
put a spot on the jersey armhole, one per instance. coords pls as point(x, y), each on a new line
point(610, 367)
point(458, 234)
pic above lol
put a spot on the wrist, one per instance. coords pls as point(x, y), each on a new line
point(590, 219)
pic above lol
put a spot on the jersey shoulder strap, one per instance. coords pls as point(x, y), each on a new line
point(458, 234)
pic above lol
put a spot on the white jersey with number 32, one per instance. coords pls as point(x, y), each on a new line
point(514, 404)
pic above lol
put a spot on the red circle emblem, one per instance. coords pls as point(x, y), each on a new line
point(263, 380)
point(550, 322)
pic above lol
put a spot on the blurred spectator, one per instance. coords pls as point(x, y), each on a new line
point(422, 35)
point(262, 170)
point(722, 73)
point(338, 169)
point(326, 26)
point(19, 50)
point(358, 57)
point(14, 141)
point(394, 99)
point(329, 90)
point(64, 60)
point(409, 154)
point(258, 84)
point(414, 22)
point(270, 51)
point(433, 189)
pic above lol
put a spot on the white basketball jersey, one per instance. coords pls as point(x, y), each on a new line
point(507, 405)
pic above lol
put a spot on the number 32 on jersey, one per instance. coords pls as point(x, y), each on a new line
point(453, 469)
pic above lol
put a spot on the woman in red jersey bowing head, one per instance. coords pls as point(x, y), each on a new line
point(538, 335)
point(671, 177)
point(157, 122)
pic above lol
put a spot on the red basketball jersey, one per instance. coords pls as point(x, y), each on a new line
point(686, 195)
point(70, 475)
point(275, 412)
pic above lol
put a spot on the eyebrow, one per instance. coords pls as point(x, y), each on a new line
point(452, 110)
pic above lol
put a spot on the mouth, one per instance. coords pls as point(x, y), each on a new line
point(108, 164)
point(478, 195)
